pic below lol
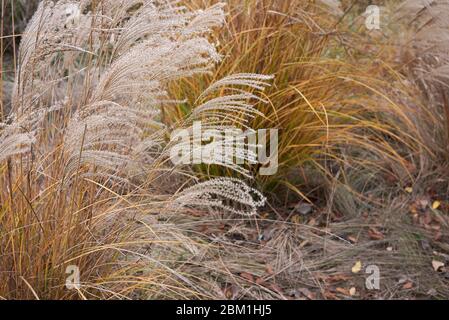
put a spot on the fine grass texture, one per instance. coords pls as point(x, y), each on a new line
point(94, 89)
point(83, 148)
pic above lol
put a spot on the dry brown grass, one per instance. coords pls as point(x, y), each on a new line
point(331, 98)
point(357, 126)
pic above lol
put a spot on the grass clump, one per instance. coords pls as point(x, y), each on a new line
point(98, 87)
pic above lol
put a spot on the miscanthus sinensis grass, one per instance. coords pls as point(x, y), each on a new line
point(85, 176)
point(83, 151)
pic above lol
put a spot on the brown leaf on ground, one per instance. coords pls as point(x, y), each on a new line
point(247, 276)
point(375, 234)
point(407, 285)
point(269, 269)
point(353, 291)
point(230, 291)
point(437, 265)
point(436, 205)
point(336, 278)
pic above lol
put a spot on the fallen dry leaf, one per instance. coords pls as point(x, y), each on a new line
point(357, 267)
point(312, 222)
point(352, 291)
point(436, 205)
point(413, 208)
point(296, 219)
point(375, 234)
point(230, 291)
point(335, 278)
point(265, 215)
point(269, 269)
point(437, 265)
point(247, 276)
point(407, 285)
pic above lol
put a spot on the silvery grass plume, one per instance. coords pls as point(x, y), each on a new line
point(219, 115)
point(101, 68)
point(230, 113)
point(228, 194)
point(13, 141)
point(430, 40)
